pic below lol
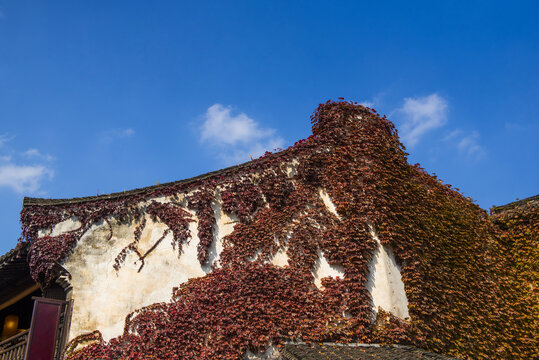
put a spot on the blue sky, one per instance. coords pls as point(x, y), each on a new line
point(113, 95)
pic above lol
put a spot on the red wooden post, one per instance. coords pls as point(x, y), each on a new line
point(44, 329)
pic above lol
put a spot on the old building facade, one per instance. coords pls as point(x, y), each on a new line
point(334, 240)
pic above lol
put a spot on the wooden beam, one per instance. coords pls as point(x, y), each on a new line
point(19, 296)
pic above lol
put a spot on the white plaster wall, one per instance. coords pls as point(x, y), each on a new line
point(322, 269)
point(255, 256)
point(103, 297)
point(60, 228)
point(224, 225)
point(280, 258)
point(329, 204)
point(385, 282)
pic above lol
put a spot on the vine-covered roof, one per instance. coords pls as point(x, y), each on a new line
point(532, 200)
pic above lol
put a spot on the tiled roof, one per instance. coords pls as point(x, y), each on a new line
point(532, 200)
point(148, 189)
point(28, 201)
point(13, 255)
point(331, 351)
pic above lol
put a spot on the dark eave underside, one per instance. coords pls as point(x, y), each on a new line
point(14, 272)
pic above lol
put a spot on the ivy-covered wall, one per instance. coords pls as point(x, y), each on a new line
point(517, 227)
point(464, 294)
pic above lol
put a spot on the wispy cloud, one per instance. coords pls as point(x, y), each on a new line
point(469, 145)
point(18, 176)
point(224, 128)
point(4, 138)
point(36, 154)
point(374, 101)
point(452, 135)
point(237, 137)
point(368, 104)
point(108, 136)
point(421, 115)
point(24, 178)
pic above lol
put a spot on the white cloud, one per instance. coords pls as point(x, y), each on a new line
point(4, 138)
point(22, 178)
point(374, 101)
point(452, 135)
point(35, 153)
point(224, 128)
point(469, 145)
point(420, 115)
point(31, 152)
point(109, 136)
point(237, 137)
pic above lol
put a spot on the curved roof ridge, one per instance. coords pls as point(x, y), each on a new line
point(30, 201)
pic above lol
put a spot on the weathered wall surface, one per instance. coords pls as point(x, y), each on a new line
point(104, 296)
point(385, 281)
point(334, 239)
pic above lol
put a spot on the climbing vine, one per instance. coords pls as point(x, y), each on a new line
point(201, 202)
point(176, 218)
point(242, 199)
point(518, 229)
point(462, 299)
